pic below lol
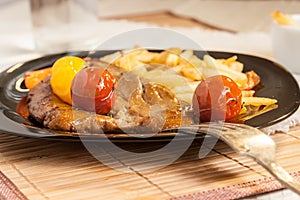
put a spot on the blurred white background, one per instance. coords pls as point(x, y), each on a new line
point(249, 19)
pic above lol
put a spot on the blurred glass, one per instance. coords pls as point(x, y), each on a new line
point(61, 25)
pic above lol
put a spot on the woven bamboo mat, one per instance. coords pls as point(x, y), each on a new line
point(44, 169)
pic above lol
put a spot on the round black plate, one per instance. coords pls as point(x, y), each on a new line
point(277, 83)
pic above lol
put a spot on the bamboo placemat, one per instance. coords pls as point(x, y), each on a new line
point(44, 169)
point(8, 190)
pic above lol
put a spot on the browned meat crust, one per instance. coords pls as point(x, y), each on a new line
point(49, 111)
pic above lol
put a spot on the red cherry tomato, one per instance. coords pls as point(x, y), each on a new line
point(217, 98)
point(92, 90)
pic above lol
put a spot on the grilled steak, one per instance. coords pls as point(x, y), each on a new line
point(49, 111)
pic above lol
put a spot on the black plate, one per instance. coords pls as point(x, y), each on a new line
point(277, 83)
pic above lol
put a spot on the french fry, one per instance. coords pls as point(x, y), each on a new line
point(193, 73)
point(168, 57)
point(213, 67)
point(258, 101)
point(232, 63)
point(251, 111)
point(248, 93)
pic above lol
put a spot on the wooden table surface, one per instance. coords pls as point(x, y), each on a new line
point(166, 18)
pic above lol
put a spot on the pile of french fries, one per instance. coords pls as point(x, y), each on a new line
point(181, 71)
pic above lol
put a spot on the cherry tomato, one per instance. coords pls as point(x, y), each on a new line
point(92, 90)
point(217, 98)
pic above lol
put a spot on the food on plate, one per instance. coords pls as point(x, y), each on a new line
point(63, 72)
point(217, 97)
point(48, 110)
point(144, 91)
point(283, 19)
point(32, 78)
point(139, 107)
point(92, 90)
